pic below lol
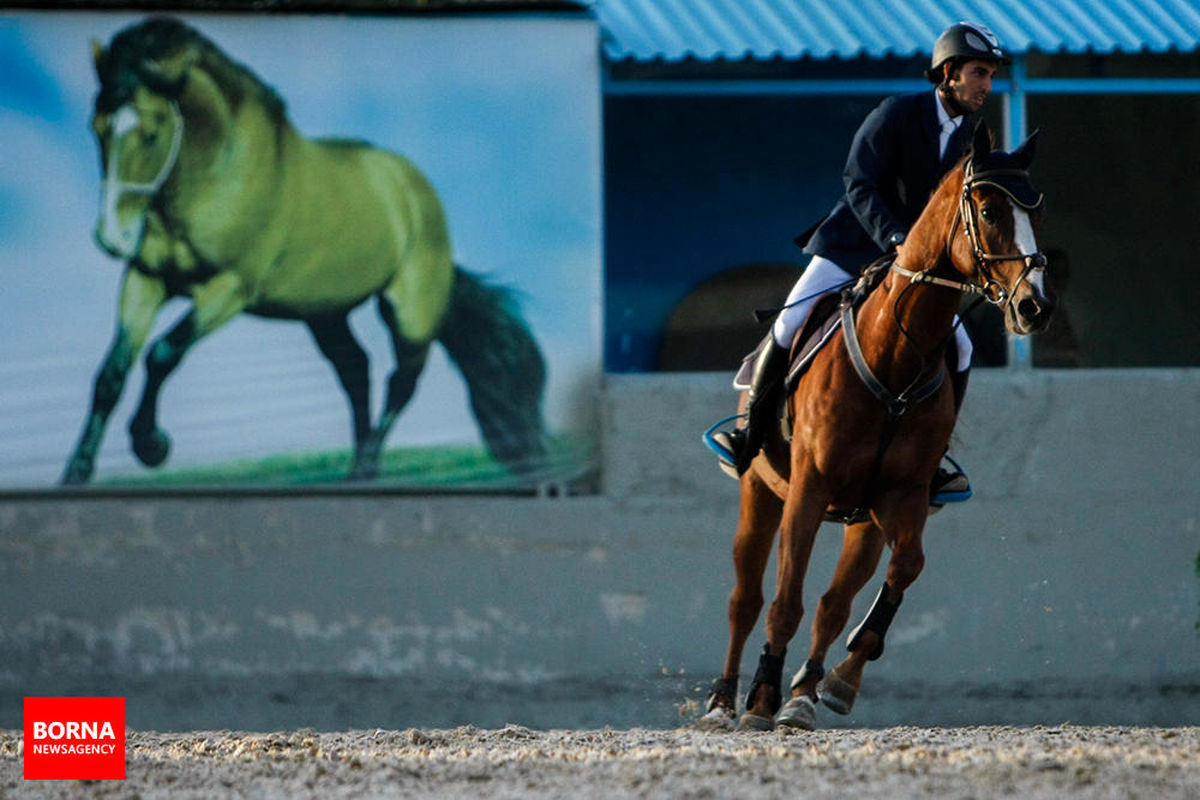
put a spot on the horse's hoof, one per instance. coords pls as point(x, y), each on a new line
point(364, 468)
point(753, 722)
point(719, 720)
point(152, 448)
point(77, 473)
point(799, 713)
point(366, 464)
point(836, 693)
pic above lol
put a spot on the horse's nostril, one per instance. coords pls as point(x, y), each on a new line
point(1029, 308)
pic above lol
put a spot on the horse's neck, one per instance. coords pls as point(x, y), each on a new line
point(229, 135)
point(903, 327)
point(227, 179)
point(222, 119)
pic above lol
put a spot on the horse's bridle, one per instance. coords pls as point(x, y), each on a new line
point(990, 289)
point(124, 119)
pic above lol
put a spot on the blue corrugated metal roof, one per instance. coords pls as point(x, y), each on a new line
point(672, 30)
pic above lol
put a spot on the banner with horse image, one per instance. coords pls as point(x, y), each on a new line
point(292, 250)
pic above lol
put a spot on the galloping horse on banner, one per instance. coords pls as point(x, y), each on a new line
point(869, 421)
point(210, 193)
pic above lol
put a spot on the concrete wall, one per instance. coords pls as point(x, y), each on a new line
point(1066, 589)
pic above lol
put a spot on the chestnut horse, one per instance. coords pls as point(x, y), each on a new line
point(869, 421)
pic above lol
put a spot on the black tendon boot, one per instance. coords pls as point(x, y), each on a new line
point(763, 394)
point(950, 484)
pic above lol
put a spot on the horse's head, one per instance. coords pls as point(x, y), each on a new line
point(1000, 213)
point(165, 91)
point(138, 125)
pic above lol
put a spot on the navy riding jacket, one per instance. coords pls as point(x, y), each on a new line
point(892, 170)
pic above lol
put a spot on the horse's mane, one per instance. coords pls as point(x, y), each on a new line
point(121, 69)
point(943, 195)
point(953, 175)
point(931, 227)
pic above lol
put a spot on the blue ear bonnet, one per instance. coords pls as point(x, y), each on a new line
point(1008, 172)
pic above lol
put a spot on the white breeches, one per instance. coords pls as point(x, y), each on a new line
point(822, 276)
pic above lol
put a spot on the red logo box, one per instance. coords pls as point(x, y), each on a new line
point(74, 738)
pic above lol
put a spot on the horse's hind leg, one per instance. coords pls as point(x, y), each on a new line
point(759, 519)
point(413, 307)
point(410, 360)
point(336, 342)
point(213, 304)
point(862, 546)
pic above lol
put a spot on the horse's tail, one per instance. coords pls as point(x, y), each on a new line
point(487, 338)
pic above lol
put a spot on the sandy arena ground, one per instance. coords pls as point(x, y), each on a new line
point(516, 762)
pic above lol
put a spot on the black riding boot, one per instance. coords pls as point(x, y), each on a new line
point(958, 382)
point(765, 381)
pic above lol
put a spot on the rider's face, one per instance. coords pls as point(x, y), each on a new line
point(971, 84)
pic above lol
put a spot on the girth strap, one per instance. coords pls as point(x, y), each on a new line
point(896, 404)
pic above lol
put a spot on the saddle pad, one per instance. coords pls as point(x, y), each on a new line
point(822, 323)
point(819, 337)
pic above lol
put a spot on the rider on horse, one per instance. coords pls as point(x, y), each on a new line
point(898, 156)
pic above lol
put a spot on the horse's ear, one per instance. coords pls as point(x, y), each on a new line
point(1024, 153)
point(982, 144)
point(169, 74)
point(98, 56)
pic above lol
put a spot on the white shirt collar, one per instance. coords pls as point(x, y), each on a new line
point(943, 115)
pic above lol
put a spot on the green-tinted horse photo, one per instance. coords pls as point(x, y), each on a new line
point(211, 194)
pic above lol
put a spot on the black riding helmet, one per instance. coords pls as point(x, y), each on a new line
point(965, 41)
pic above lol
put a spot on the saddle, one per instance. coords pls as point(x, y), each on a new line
point(822, 323)
point(827, 316)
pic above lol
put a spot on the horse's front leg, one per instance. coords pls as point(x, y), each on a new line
point(758, 520)
point(213, 304)
point(141, 298)
point(862, 545)
point(902, 518)
point(803, 513)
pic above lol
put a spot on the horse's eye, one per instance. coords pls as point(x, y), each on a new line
point(988, 214)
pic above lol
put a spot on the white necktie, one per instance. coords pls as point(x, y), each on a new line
point(948, 129)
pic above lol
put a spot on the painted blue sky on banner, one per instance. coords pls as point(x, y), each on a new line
point(503, 115)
